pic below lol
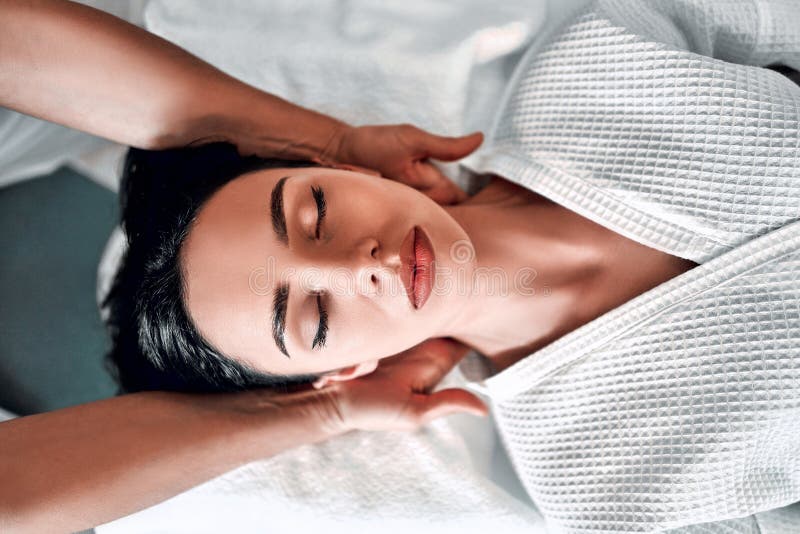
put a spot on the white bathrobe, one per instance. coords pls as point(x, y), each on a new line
point(656, 120)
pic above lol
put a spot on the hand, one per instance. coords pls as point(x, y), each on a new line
point(402, 152)
point(396, 396)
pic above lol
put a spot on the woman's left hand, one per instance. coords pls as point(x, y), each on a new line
point(402, 152)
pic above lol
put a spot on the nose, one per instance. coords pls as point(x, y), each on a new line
point(365, 268)
point(368, 246)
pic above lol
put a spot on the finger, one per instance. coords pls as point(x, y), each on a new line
point(320, 382)
point(440, 356)
point(425, 177)
point(447, 402)
point(449, 148)
point(446, 348)
point(438, 347)
point(446, 193)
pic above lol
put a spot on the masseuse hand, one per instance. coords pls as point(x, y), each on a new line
point(403, 152)
point(397, 394)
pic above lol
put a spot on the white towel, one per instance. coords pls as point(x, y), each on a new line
point(359, 60)
point(392, 482)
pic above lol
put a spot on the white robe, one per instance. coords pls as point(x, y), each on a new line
point(681, 406)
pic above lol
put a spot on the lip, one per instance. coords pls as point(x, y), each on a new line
point(417, 266)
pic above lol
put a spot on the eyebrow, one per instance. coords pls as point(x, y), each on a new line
point(322, 330)
point(322, 207)
point(277, 213)
point(279, 304)
point(281, 298)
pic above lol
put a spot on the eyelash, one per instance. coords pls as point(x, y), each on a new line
point(322, 331)
point(322, 207)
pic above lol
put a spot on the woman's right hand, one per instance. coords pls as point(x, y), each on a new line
point(397, 394)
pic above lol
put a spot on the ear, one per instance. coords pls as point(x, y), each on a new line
point(346, 373)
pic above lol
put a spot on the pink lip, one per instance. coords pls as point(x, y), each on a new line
point(417, 266)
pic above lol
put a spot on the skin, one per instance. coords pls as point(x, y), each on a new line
point(232, 262)
point(576, 271)
point(580, 270)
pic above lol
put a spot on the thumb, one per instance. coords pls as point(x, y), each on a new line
point(446, 192)
point(450, 148)
point(447, 402)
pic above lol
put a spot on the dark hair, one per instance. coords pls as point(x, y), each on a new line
point(155, 345)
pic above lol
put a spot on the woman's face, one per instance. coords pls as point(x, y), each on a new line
point(308, 270)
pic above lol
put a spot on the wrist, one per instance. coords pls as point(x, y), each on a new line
point(272, 422)
point(262, 124)
point(335, 149)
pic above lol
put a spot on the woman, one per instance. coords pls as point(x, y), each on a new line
point(664, 146)
point(243, 272)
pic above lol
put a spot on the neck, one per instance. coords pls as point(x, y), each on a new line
point(534, 265)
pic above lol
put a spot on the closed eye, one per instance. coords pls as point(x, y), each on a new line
point(322, 330)
point(322, 207)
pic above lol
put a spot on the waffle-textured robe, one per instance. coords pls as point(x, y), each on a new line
point(657, 120)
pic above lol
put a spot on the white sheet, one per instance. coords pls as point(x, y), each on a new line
point(361, 61)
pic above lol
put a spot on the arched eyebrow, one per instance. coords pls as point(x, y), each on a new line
point(279, 304)
point(277, 212)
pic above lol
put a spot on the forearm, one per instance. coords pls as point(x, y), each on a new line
point(79, 467)
point(89, 70)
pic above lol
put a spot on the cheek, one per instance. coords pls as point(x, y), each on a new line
point(369, 203)
point(379, 197)
point(365, 333)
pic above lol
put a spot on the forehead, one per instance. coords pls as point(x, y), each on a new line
point(224, 258)
point(231, 260)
